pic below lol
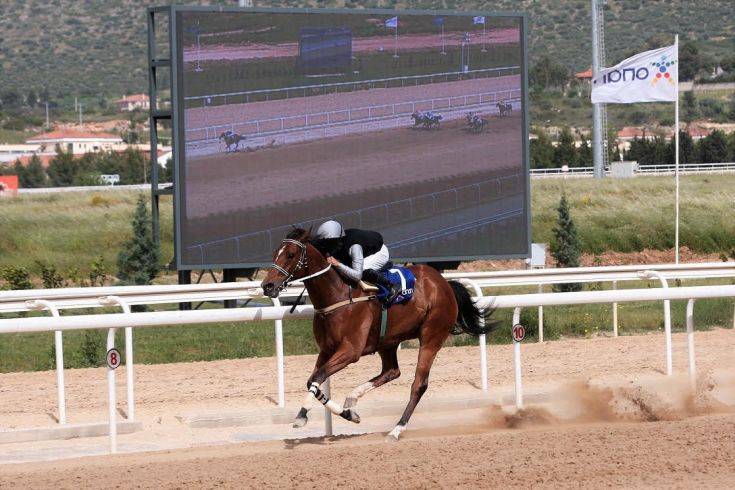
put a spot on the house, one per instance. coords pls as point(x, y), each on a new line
point(584, 76)
point(76, 142)
point(130, 103)
point(8, 185)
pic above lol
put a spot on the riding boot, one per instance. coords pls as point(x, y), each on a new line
point(379, 279)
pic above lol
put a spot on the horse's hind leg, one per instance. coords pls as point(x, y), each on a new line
point(388, 373)
point(431, 342)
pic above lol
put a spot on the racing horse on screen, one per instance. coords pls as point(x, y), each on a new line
point(231, 140)
point(347, 323)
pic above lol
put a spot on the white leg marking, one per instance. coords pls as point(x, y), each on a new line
point(396, 432)
point(362, 390)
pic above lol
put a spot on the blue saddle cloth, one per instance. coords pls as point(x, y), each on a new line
point(404, 279)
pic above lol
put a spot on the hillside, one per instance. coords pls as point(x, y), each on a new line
point(96, 49)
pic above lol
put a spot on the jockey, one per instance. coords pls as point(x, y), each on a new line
point(357, 254)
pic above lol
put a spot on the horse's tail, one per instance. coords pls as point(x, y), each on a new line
point(469, 317)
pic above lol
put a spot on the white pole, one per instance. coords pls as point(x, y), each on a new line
point(676, 238)
point(59, 343)
point(279, 358)
point(59, 347)
point(667, 316)
point(615, 312)
point(540, 317)
point(129, 372)
point(112, 395)
point(690, 343)
point(395, 47)
point(517, 361)
point(326, 389)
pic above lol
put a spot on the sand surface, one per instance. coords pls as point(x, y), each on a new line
point(605, 415)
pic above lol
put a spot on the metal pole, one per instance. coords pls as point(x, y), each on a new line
point(279, 358)
point(111, 395)
point(667, 317)
point(129, 378)
point(690, 343)
point(59, 348)
point(597, 135)
point(540, 317)
point(615, 312)
point(676, 233)
point(326, 389)
point(517, 361)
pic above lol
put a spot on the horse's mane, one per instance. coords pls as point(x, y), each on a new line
point(300, 234)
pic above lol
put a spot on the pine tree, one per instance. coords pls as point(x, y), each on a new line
point(565, 246)
point(138, 261)
point(565, 152)
point(35, 175)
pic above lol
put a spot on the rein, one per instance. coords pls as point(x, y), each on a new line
point(302, 263)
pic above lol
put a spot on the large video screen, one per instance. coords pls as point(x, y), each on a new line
point(411, 124)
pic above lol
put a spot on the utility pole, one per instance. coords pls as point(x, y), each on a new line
point(80, 114)
point(599, 112)
point(47, 121)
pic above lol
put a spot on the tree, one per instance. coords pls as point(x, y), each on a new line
point(548, 73)
point(565, 247)
point(35, 175)
point(687, 152)
point(713, 148)
point(691, 107)
point(542, 153)
point(138, 261)
point(585, 154)
point(565, 152)
point(63, 168)
point(690, 61)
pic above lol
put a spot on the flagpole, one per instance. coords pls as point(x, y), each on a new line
point(395, 48)
point(676, 117)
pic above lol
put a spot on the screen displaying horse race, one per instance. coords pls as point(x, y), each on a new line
point(410, 124)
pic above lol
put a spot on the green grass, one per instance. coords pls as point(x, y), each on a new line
point(70, 230)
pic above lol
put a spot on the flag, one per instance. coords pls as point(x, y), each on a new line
point(479, 20)
point(646, 77)
point(438, 21)
point(392, 22)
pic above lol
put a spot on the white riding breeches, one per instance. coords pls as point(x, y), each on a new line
point(377, 260)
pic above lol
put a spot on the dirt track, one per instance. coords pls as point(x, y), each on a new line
point(645, 431)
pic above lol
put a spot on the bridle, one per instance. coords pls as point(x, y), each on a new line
point(299, 265)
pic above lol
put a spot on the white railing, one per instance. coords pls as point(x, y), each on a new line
point(687, 168)
point(279, 313)
point(350, 115)
point(326, 88)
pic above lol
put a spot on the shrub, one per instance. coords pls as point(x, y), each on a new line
point(16, 277)
point(137, 262)
point(565, 247)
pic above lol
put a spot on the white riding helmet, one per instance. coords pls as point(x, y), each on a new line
point(330, 229)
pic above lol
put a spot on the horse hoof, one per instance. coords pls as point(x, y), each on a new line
point(300, 422)
point(350, 415)
point(395, 433)
point(391, 438)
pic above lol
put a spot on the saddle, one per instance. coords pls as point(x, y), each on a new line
point(398, 276)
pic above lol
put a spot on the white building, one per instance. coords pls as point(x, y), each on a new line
point(129, 103)
point(76, 142)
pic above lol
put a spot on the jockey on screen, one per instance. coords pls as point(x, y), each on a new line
point(356, 254)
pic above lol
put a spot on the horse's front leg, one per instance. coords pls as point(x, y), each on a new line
point(388, 373)
point(344, 355)
point(303, 416)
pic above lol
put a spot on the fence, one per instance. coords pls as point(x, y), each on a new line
point(327, 88)
point(392, 213)
point(353, 115)
point(687, 168)
point(55, 300)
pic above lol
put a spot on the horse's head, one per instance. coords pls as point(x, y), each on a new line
point(223, 136)
point(290, 262)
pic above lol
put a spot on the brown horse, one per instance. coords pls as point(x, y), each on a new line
point(347, 323)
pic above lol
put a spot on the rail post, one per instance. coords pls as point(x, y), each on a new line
point(111, 394)
point(129, 378)
point(477, 290)
point(326, 389)
point(41, 304)
point(540, 317)
point(517, 361)
point(667, 316)
point(690, 343)
point(279, 358)
point(615, 312)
